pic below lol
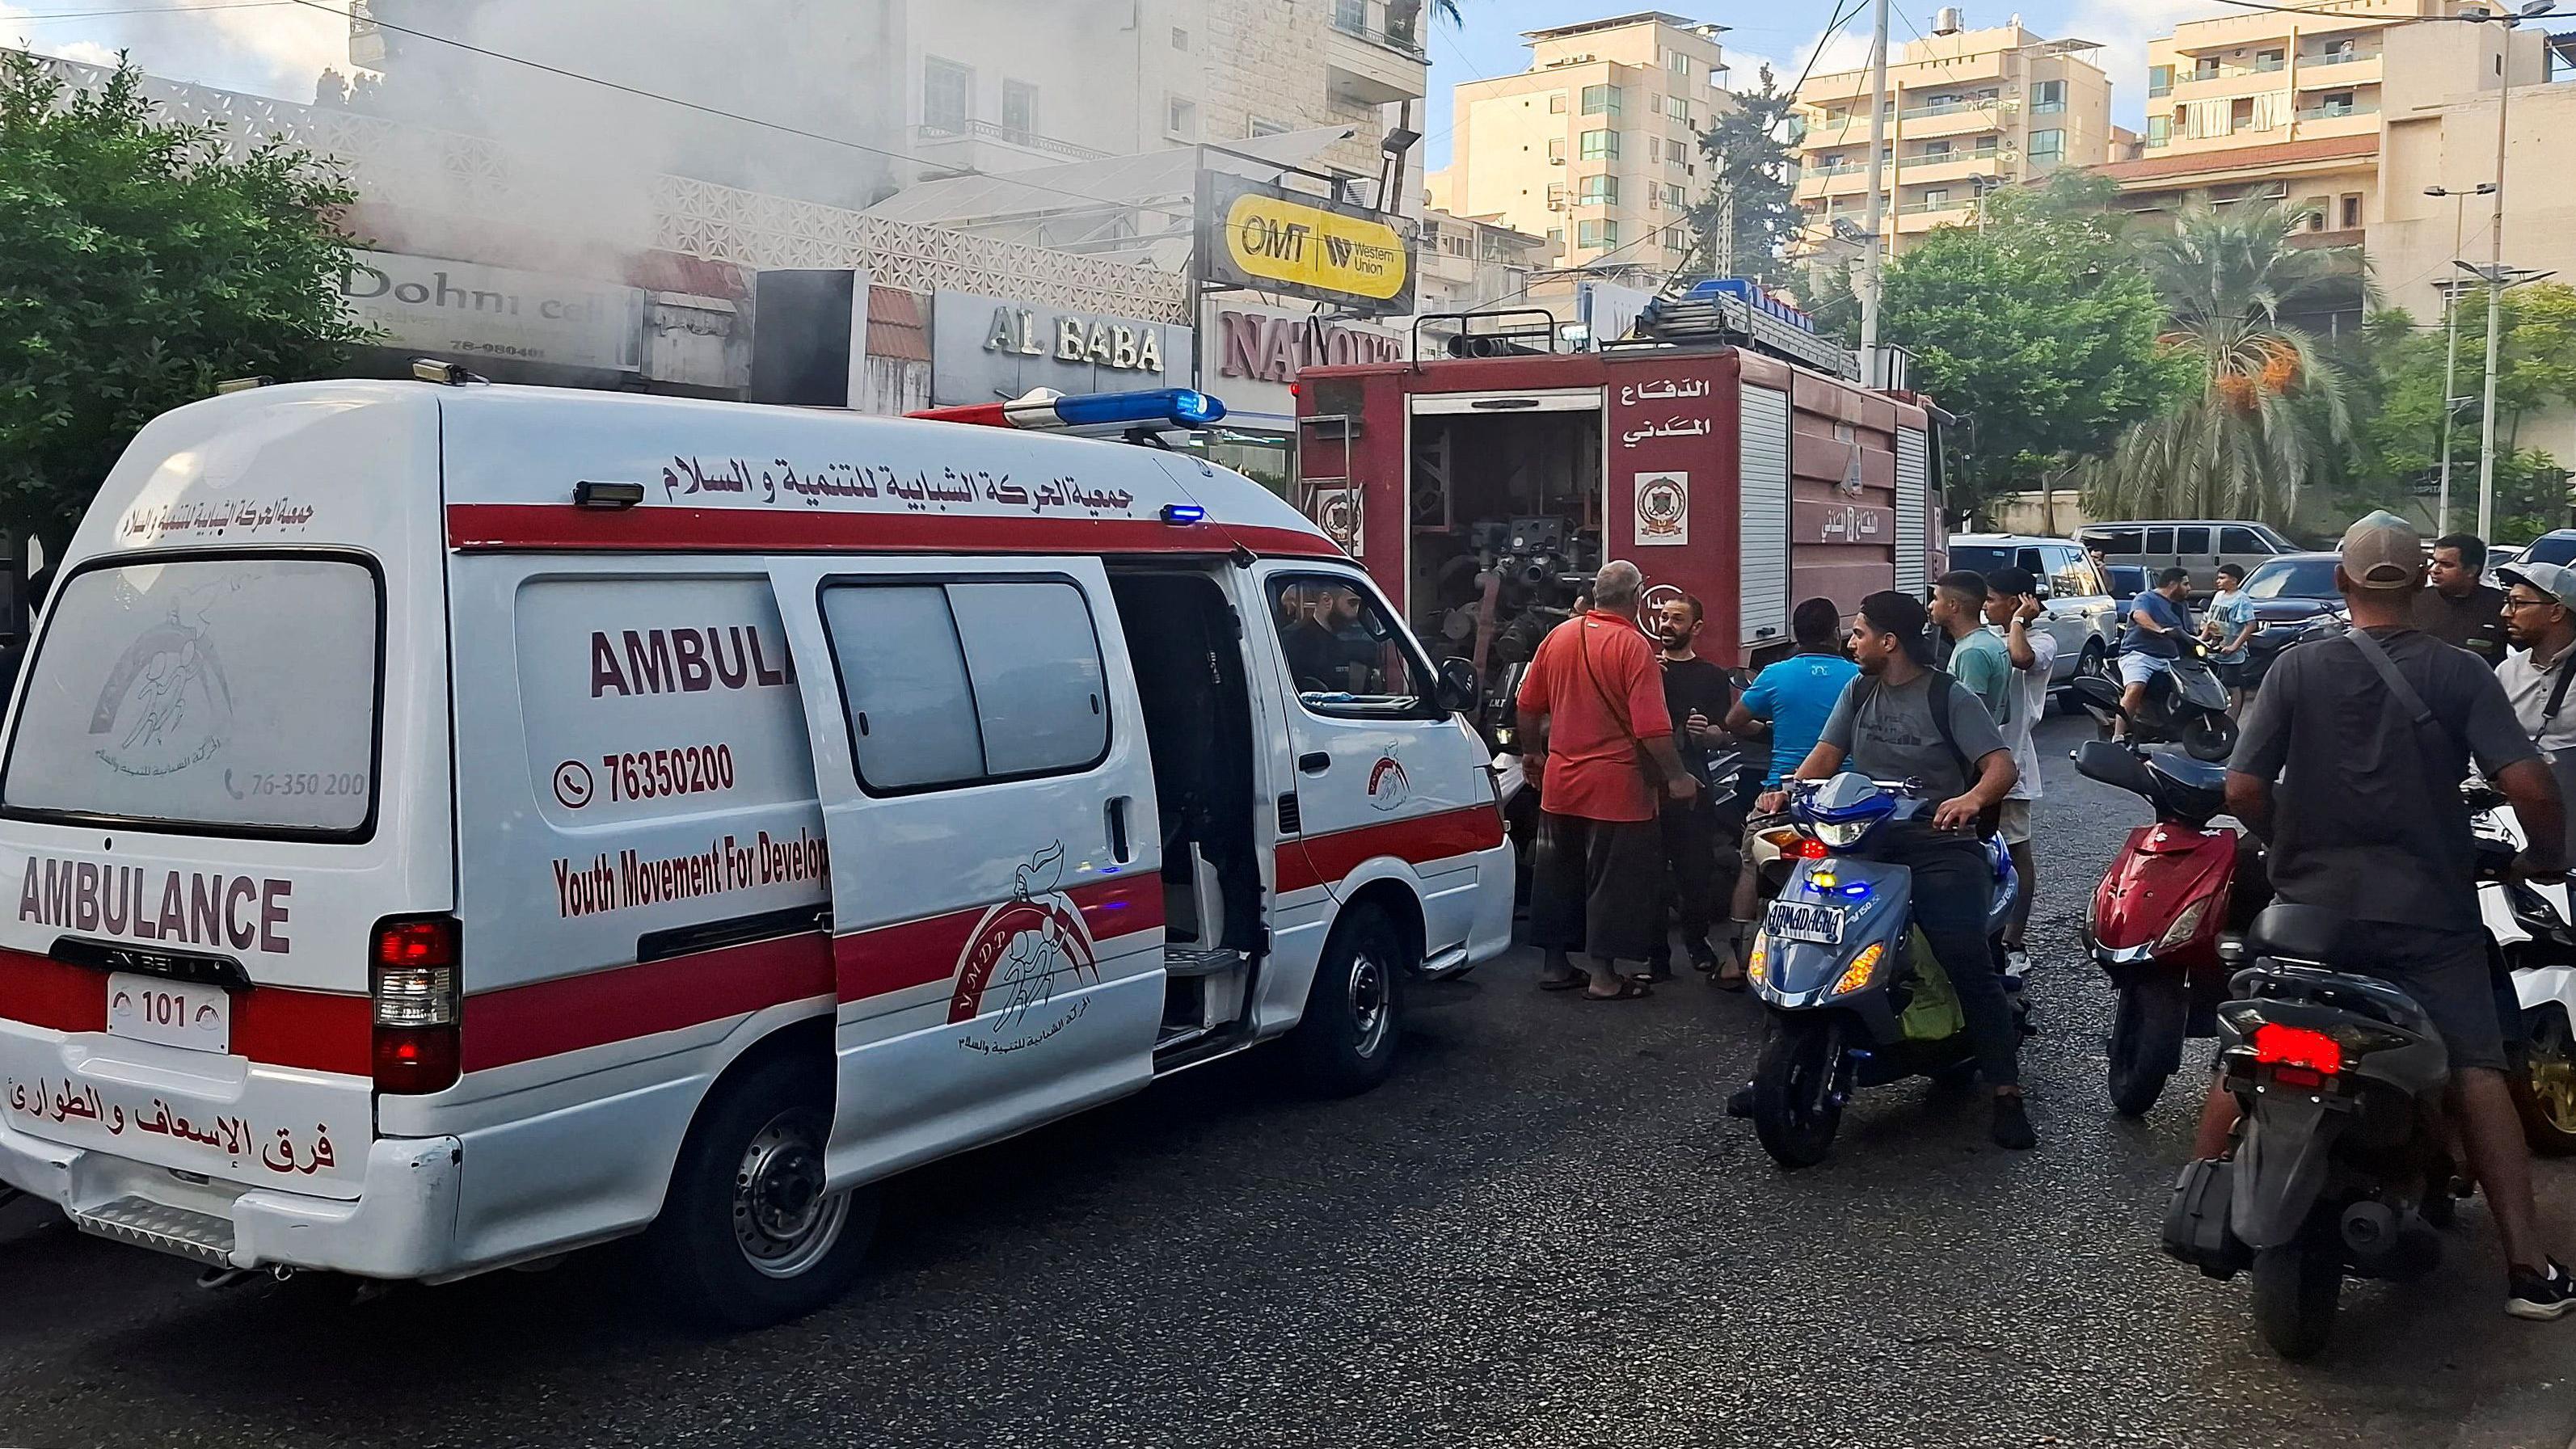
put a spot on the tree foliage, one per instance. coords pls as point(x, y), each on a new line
point(1751, 201)
point(139, 266)
point(2037, 326)
point(2402, 378)
point(2265, 415)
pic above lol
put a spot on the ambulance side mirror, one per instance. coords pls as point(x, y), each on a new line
point(1457, 691)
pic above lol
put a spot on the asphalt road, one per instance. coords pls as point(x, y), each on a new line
point(1544, 1232)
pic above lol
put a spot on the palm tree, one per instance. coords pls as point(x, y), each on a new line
point(2269, 411)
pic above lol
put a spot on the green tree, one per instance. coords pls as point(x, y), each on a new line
point(1750, 211)
point(139, 266)
point(2401, 434)
point(2037, 327)
point(2265, 416)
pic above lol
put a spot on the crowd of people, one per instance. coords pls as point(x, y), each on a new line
point(1660, 772)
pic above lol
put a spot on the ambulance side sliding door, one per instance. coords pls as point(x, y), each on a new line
point(997, 899)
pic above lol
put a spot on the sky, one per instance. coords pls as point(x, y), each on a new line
point(277, 47)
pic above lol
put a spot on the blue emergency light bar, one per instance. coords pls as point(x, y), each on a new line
point(1046, 409)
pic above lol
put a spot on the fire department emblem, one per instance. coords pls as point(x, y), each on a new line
point(1017, 956)
point(1337, 513)
point(1663, 508)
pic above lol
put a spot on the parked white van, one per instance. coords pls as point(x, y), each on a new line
point(451, 825)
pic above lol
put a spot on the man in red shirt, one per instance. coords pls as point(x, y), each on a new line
point(1593, 703)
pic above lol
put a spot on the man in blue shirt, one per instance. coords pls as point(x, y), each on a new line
point(1789, 702)
point(2152, 642)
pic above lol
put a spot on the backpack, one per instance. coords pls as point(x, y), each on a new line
point(1945, 688)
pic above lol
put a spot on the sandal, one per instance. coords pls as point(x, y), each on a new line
point(1565, 984)
point(1630, 989)
point(1731, 979)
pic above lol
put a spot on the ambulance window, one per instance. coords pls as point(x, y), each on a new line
point(209, 694)
point(1345, 657)
point(957, 683)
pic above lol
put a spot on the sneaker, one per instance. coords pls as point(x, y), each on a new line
point(2541, 1296)
point(2016, 966)
point(2012, 1125)
point(1741, 1104)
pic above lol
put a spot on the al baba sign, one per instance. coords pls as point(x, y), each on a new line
point(1265, 238)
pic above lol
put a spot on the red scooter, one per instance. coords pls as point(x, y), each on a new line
point(2176, 890)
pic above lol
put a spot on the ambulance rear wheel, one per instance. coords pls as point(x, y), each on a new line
point(1346, 1042)
point(747, 1236)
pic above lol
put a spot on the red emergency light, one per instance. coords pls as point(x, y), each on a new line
point(1045, 409)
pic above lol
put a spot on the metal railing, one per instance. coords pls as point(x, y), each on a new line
point(1351, 18)
point(954, 130)
point(2337, 113)
point(1921, 208)
point(1943, 108)
point(2338, 57)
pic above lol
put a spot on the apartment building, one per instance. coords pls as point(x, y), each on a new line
point(1463, 262)
point(925, 88)
point(2347, 110)
point(1966, 111)
point(1005, 86)
point(1595, 147)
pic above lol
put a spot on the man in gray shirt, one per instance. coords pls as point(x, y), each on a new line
point(1902, 720)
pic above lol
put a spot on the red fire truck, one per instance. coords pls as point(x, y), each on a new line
point(1482, 492)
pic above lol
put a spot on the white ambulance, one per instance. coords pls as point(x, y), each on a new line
point(453, 824)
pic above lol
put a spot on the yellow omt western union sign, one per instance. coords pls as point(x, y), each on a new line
point(1307, 246)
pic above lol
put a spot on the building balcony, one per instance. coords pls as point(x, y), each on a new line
point(1957, 166)
point(2358, 111)
point(1848, 181)
point(2232, 83)
point(2337, 58)
point(2338, 72)
point(1365, 64)
point(1955, 121)
point(984, 146)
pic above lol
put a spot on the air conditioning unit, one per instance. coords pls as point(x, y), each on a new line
point(1555, 160)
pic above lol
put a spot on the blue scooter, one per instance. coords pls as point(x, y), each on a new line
point(1857, 999)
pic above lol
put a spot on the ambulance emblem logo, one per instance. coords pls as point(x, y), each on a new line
point(1016, 959)
point(1388, 785)
point(166, 703)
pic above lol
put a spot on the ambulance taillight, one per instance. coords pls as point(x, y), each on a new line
point(417, 1005)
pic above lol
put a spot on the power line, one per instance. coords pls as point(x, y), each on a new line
point(34, 17)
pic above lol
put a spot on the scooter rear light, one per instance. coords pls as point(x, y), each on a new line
point(2297, 1047)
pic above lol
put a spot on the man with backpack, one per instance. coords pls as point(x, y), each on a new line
point(1899, 720)
point(2350, 768)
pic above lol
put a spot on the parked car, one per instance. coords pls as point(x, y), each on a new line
point(2289, 594)
point(2197, 544)
point(2498, 560)
point(2126, 582)
point(2081, 616)
point(2558, 547)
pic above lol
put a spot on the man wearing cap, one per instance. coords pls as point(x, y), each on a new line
point(2458, 606)
point(1901, 719)
point(2535, 675)
point(2359, 798)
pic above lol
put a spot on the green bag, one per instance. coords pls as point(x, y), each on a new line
point(1934, 1014)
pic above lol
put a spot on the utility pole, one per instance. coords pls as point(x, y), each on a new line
point(2451, 348)
point(1873, 249)
point(2495, 261)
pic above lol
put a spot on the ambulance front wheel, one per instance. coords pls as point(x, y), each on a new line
point(747, 1236)
point(1346, 1041)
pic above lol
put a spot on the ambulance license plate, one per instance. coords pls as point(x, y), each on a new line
point(1815, 925)
point(173, 1013)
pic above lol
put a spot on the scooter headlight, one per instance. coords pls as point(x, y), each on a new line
point(1842, 835)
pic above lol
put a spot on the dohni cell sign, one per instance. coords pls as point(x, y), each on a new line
point(467, 310)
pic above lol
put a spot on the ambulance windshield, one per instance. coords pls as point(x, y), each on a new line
point(227, 694)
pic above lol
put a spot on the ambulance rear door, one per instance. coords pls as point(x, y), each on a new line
point(988, 799)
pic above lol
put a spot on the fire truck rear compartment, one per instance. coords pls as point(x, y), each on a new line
point(1508, 503)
